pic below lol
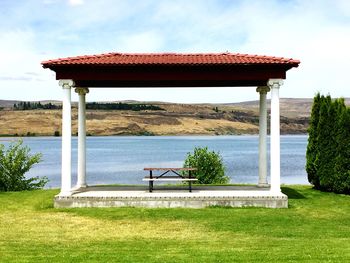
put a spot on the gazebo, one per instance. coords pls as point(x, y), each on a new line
point(165, 70)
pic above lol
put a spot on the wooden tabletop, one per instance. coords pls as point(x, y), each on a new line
point(170, 169)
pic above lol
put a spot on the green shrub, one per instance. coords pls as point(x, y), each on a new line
point(211, 169)
point(15, 161)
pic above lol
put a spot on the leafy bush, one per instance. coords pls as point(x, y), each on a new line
point(211, 169)
point(15, 161)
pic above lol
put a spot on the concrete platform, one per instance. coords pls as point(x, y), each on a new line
point(170, 197)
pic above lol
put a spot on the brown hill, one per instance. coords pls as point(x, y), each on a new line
point(290, 107)
point(176, 119)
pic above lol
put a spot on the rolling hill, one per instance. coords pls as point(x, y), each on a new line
point(174, 119)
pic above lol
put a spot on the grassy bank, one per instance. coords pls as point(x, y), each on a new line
point(315, 228)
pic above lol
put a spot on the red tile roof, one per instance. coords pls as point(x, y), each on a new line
point(170, 59)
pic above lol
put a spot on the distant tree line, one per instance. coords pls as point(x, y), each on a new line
point(328, 149)
point(120, 106)
point(27, 105)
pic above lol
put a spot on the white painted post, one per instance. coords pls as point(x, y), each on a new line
point(263, 137)
point(81, 182)
point(275, 166)
point(66, 173)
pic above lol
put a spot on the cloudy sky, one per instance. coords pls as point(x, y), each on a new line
point(316, 32)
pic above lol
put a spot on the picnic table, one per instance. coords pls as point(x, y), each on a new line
point(164, 176)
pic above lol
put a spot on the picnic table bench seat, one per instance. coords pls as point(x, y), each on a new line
point(164, 177)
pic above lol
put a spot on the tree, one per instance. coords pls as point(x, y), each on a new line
point(328, 150)
point(211, 169)
point(311, 151)
point(15, 162)
point(342, 164)
point(326, 144)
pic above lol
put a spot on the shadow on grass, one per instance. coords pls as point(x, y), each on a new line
point(292, 193)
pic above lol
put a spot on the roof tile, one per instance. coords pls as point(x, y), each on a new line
point(225, 58)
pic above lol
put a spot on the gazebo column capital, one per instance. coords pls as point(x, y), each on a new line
point(66, 83)
point(82, 91)
point(263, 89)
point(275, 83)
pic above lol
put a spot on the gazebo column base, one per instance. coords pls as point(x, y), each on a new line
point(64, 194)
point(70, 202)
point(173, 199)
point(263, 185)
point(79, 188)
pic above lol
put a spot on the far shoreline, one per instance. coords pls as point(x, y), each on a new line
point(136, 135)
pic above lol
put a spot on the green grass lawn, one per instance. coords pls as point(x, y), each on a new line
point(315, 228)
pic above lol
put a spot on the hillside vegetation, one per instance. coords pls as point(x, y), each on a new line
point(173, 119)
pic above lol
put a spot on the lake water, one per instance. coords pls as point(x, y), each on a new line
point(120, 160)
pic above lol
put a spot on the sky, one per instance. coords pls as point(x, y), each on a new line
point(316, 32)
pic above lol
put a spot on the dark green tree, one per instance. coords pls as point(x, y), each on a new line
point(342, 161)
point(328, 150)
point(327, 143)
point(311, 151)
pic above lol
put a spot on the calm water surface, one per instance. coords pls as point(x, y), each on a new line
point(112, 160)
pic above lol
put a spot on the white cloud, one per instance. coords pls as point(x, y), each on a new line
point(21, 75)
point(75, 2)
point(49, 2)
point(309, 33)
point(148, 41)
point(316, 32)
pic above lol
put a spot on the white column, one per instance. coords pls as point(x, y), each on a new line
point(275, 166)
point(263, 137)
point(81, 137)
point(66, 173)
